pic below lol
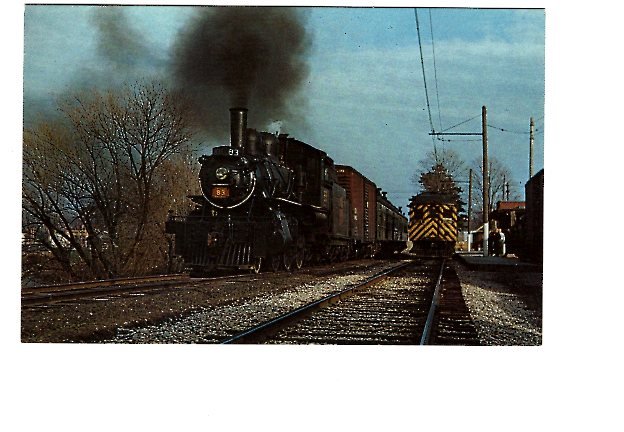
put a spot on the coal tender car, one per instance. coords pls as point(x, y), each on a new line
point(272, 200)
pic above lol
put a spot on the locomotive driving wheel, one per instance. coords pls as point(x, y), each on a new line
point(299, 258)
point(275, 261)
point(257, 265)
point(288, 260)
point(293, 257)
point(299, 253)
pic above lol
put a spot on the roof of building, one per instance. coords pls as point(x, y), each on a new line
point(510, 205)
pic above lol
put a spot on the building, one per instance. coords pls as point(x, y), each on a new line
point(508, 214)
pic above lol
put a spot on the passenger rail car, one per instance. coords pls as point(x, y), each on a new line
point(432, 225)
point(272, 199)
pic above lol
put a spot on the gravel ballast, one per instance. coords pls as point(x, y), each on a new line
point(506, 307)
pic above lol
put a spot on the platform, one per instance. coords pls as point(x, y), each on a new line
point(476, 261)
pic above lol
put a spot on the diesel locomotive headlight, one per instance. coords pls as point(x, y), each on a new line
point(222, 173)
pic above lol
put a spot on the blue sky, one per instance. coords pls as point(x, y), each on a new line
point(364, 98)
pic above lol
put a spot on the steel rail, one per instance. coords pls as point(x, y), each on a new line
point(138, 279)
point(424, 340)
point(47, 294)
point(100, 283)
point(283, 320)
point(70, 292)
point(74, 294)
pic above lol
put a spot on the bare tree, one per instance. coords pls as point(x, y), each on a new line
point(108, 170)
point(438, 172)
point(499, 178)
point(449, 159)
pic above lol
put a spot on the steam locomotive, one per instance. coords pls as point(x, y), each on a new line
point(271, 199)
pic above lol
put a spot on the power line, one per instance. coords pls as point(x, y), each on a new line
point(460, 140)
point(422, 63)
point(507, 130)
point(435, 69)
point(461, 123)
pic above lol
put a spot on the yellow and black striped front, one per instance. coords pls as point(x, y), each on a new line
point(433, 222)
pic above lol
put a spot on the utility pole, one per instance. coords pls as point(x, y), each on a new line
point(486, 183)
point(531, 131)
point(469, 209)
point(505, 189)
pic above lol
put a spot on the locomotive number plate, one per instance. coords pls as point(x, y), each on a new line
point(220, 192)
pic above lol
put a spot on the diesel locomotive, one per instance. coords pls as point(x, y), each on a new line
point(269, 199)
point(432, 224)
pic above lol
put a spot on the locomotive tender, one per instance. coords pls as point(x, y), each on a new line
point(270, 198)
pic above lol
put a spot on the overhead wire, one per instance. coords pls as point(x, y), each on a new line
point(435, 69)
point(460, 140)
point(461, 123)
point(507, 130)
point(422, 63)
point(536, 128)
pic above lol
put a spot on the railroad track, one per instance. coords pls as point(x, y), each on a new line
point(451, 322)
point(387, 308)
point(48, 294)
point(392, 306)
point(408, 304)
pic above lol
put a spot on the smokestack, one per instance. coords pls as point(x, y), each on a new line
point(238, 127)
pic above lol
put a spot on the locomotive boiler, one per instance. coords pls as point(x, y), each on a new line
point(266, 198)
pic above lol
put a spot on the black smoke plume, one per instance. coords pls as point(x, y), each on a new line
point(123, 53)
point(118, 41)
point(253, 57)
point(122, 56)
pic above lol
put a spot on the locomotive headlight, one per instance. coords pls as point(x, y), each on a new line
point(222, 173)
